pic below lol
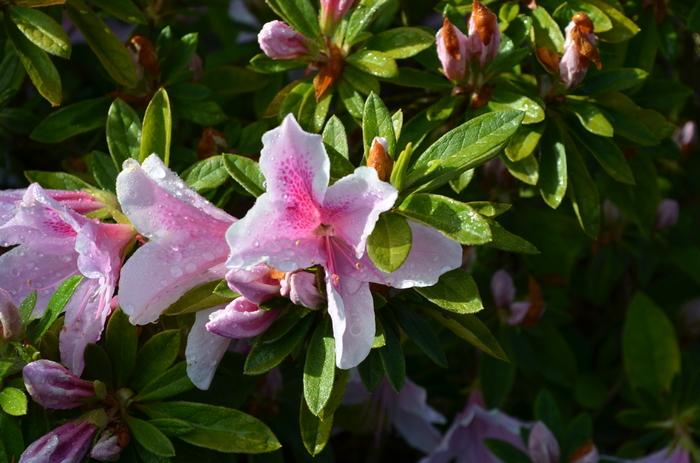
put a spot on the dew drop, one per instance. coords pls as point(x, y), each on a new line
point(176, 272)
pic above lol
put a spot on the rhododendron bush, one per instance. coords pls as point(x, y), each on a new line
point(349, 230)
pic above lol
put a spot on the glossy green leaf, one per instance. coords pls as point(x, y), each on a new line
point(155, 357)
point(506, 241)
point(125, 10)
point(42, 30)
point(547, 32)
point(315, 431)
point(245, 172)
point(207, 174)
point(376, 122)
point(319, 368)
point(55, 307)
point(300, 14)
point(422, 334)
point(613, 80)
point(103, 170)
point(150, 437)
point(553, 178)
point(172, 382)
point(524, 142)
point(123, 132)
point(13, 401)
point(526, 170)
point(504, 100)
point(157, 128)
point(456, 292)
point(565, 11)
point(608, 155)
point(390, 242)
point(121, 343)
point(72, 120)
point(591, 117)
point(472, 330)
point(198, 298)
point(401, 42)
point(622, 29)
point(582, 190)
point(374, 63)
point(263, 357)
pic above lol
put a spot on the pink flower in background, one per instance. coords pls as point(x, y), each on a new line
point(301, 222)
point(56, 242)
point(542, 446)
point(686, 136)
point(279, 41)
point(519, 312)
point(69, 443)
point(667, 214)
point(335, 9)
point(10, 322)
point(407, 411)
point(667, 455)
point(53, 386)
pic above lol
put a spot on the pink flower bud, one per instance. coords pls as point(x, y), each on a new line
point(587, 453)
point(452, 50)
point(484, 35)
point(66, 444)
point(106, 448)
point(686, 136)
point(54, 386)
point(10, 322)
point(240, 319)
point(579, 50)
point(542, 445)
point(502, 289)
point(518, 312)
point(667, 214)
point(301, 289)
point(379, 159)
point(279, 41)
point(333, 11)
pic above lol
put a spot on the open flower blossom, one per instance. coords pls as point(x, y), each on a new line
point(407, 411)
point(301, 221)
point(579, 50)
point(10, 322)
point(53, 386)
point(279, 41)
point(56, 242)
point(68, 443)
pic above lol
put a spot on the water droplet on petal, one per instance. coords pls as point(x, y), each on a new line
point(176, 271)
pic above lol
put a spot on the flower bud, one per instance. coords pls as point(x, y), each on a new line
point(256, 285)
point(666, 214)
point(330, 69)
point(549, 59)
point(106, 448)
point(452, 51)
point(301, 289)
point(333, 11)
point(10, 322)
point(686, 137)
point(144, 55)
point(542, 445)
point(66, 444)
point(211, 143)
point(579, 50)
point(240, 319)
point(484, 34)
point(587, 453)
point(53, 386)
point(379, 160)
point(502, 289)
point(279, 41)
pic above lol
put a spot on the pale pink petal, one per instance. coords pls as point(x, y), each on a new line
point(241, 319)
point(255, 284)
point(301, 289)
point(267, 235)
point(454, 62)
point(353, 205)
point(158, 274)
point(518, 312)
point(351, 309)
point(69, 443)
point(204, 350)
point(279, 41)
point(542, 445)
point(413, 418)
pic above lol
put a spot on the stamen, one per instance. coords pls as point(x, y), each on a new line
point(330, 263)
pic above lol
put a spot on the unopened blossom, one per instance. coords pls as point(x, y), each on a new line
point(53, 386)
point(333, 11)
point(484, 35)
point(587, 453)
point(106, 448)
point(301, 221)
point(407, 411)
point(378, 158)
point(524, 312)
point(10, 322)
point(68, 443)
point(667, 214)
point(240, 319)
point(686, 136)
point(300, 288)
point(579, 50)
point(453, 51)
point(55, 242)
point(542, 446)
point(502, 289)
point(279, 41)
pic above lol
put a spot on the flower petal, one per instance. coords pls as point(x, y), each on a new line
point(353, 205)
point(240, 319)
point(255, 284)
point(204, 350)
point(413, 418)
point(351, 309)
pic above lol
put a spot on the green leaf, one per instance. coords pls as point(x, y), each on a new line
point(456, 291)
point(422, 334)
point(504, 100)
point(552, 177)
point(374, 63)
point(121, 343)
point(113, 55)
point(582, 189)
point(622, 29)
point(472, 330)
point(217, 428)
point(608, 155)
point(125, 10)
point(123, 132)
point(565, 11)
point(524, 142)
point(390, 243)
point(335, 137)
point(157, 128)
point(265, 65)
point(150, 437)
point(300, 14)
point(26, 307)
point(361, 18)
point(463, 148)
point(170, 383)
point(547, 32)
point(207, 174)
point(591, 117)
point(42, 30)
point(172, 426)
point(642, 126)
point(314, 430)
point(613, 80)
point(506, 241)
point(175, 57)
point(352, 100)
point(58, 301)
point(155, 357)
point(392, 358)
point(246, 173)
point(72, 120)
point(37, 63)
point(401, 42)
point(229, 81)
point(526, 170)
point(453, 218)
point(198, 298)
point(371, 370)
point(263, 357)
point(103, 170)
point(649, 346)
point(13, 401)
point(376, 122)
point(319, 368)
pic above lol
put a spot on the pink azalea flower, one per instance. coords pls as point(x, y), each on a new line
point(667, 213)
point(69, 443)
point(407, 411)
point(667, 455)
point(56, 242)
point(53, 386)
point(301, 221)
point(335, 9)
point(279, 41)
point(542, 446)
